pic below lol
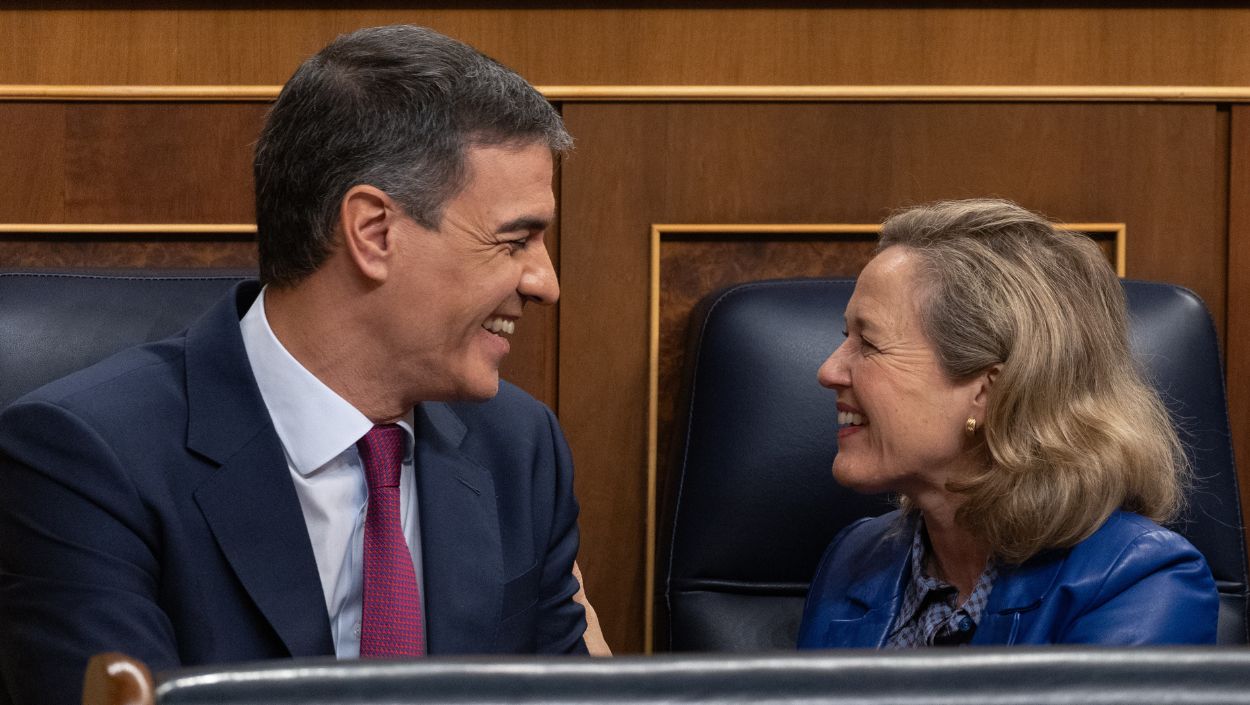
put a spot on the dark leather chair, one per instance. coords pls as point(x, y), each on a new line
point(1022, 676)
point(53, 323)
point(752, 504)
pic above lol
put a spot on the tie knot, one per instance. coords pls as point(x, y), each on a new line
point(382, 452)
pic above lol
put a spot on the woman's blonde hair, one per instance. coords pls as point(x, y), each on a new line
point(1072, 430)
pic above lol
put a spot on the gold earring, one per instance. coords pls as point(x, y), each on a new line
point(971, 426)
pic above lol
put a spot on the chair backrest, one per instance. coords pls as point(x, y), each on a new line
point(53, 323)
point(1023, 676)
point(752, 504)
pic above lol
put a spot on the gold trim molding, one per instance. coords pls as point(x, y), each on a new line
point(694, 93)
point(1200, 94)
point(659, 232)
point(127, 229)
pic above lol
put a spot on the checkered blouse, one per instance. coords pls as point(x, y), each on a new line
point(929, 615)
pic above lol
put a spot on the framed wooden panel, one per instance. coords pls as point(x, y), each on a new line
point(128, 162)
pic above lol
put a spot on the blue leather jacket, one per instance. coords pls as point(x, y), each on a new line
point(1131, 582)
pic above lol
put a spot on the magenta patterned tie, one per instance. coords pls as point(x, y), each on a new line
point(391, 623)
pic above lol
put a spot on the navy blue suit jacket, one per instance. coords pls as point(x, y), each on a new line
point(147, 508)
point(1132, 582)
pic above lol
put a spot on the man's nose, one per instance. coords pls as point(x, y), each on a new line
point(538, 282)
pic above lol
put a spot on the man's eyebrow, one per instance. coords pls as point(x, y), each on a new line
point(526, 223)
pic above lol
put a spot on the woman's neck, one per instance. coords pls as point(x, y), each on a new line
point(958, 556)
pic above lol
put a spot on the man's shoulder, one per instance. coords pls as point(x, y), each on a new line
point(127, 412)
point(121, 383)
point(150, 371)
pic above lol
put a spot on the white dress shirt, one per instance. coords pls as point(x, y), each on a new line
point(319, 430)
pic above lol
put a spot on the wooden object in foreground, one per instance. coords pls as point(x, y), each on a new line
point(116, 679)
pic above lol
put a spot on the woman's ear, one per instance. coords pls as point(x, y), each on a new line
point(367, 220)
point(981, 392)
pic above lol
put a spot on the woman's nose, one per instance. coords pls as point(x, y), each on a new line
point(833, 371)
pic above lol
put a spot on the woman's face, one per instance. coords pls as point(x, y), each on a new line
point(901, 419)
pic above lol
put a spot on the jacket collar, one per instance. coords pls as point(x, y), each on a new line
point(225, 409)
point(878, 587)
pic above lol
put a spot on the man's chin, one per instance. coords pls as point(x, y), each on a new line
point(481, 390)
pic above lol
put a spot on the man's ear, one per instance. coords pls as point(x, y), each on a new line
point(367, 219)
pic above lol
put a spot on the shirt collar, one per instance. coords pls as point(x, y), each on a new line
point(921, 584)
point(313, 422)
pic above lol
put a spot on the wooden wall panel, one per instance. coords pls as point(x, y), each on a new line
point(638, 165)
point(649, 43)
point(128, 162)
point(33, 156)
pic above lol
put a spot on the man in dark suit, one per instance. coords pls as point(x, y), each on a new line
point(328, 464)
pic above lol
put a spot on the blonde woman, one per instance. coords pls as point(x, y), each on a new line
point(986, 379)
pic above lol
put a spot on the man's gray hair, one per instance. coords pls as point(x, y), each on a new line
point(394, 107)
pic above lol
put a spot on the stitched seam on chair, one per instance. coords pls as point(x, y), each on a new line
point(127, 277)
point(742, 586)
point(694, 389)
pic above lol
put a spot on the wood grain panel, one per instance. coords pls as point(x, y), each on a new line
point(151, 162)
point(1237, 345)
point(128, 162)
point(32, 180)
point(650, 43)
point(749, 163)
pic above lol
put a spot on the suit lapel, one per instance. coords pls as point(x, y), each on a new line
point(461, 554)
point(249, 503)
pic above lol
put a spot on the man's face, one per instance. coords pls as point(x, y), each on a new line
point(459, 291)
